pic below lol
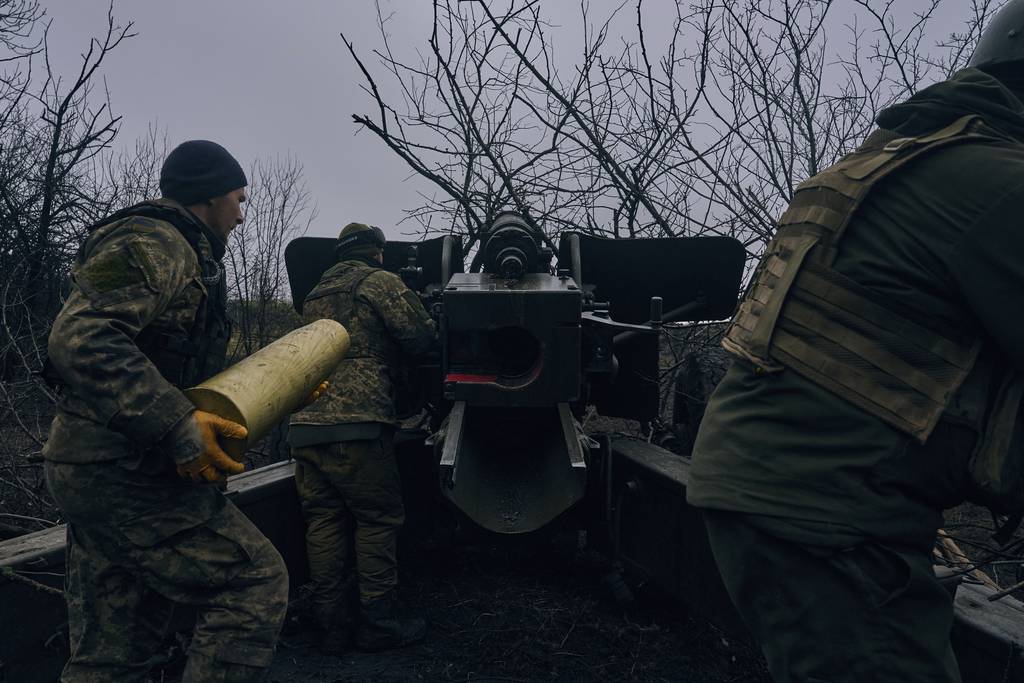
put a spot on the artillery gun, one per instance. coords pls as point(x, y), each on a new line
point(527, 346)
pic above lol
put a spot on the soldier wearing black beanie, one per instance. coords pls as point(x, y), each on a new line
point(149, 300)
point(198, 170)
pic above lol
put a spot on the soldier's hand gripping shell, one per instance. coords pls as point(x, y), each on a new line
point(317, 393)
point(213, 464)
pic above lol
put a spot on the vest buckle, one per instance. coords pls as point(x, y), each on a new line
point(899, 144)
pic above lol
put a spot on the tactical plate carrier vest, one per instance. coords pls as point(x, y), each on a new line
point(347, 284)
point(802, 314)
point(186, 359)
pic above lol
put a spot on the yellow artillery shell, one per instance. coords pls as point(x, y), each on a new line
point(263, 389)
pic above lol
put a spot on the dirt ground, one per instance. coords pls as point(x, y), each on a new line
point(507, 613)
point(504, 613)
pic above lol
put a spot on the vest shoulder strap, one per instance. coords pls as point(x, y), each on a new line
point(802, 314)
point(348, 282)
point(188, 228)
point(825, 203)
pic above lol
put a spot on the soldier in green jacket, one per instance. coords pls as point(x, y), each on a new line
point(131, 463)
point(877, 381)
point(346, 472)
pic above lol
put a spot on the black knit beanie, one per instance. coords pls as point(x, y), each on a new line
point(198, 170)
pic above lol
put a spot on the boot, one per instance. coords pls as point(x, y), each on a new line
point(203, 669)
point(336, 638)
point(386, 625)
point(300, 618)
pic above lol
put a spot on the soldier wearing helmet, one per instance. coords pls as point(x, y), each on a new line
point(877, 381)
point(346, 472)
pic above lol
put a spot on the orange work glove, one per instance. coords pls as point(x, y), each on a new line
point(317, 393)
point(213, 464)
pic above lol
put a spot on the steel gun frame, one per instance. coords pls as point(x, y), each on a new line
point(526, 347)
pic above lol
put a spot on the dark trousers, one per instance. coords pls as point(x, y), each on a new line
point(865, 614)
point(352, 500)
point(140, 544)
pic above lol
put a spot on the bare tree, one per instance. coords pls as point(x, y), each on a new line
point(488, 118)
point(706, 130)
point(785, 98)
point(54, 131)
point(707, 133)
point(51, 133)
point(279, 208)
point(125, 176)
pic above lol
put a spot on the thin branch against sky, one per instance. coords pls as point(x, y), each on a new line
point(269, 78)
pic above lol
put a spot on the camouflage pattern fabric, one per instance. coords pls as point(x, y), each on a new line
point(351, 491)
point(870, 612)
point(139, 538)
point(385, 322)
point(352, 501)
point(132, 275)
point(139, 544)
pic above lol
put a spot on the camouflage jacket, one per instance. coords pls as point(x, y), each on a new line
point(385, 321)
point(131, 275)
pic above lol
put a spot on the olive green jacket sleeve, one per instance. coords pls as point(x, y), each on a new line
point(398, 307)
point(128, 275)
point(988, 266)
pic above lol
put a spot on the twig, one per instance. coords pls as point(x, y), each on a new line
point(567, 634)
point(952, 552)
point(1006, 591)
point(10, 574)
point(25, 518)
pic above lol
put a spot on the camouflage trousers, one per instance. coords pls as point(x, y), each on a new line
point(352, 500)
point(138, 545)
point(871, 613)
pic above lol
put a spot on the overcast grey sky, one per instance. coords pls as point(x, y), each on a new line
point(272, 77)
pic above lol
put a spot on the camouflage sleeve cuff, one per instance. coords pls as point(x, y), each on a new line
point(166, 411)
point(183, 443)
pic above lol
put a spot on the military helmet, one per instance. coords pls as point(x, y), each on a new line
point(1003, 38)
point(360, 234)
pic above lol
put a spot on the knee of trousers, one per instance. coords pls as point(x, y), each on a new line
point(245, 624)
point(262, 587)
point(320, 511)
point(276, 591)
point(381, 514)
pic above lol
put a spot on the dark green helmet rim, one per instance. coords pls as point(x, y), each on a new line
point(371, 235)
